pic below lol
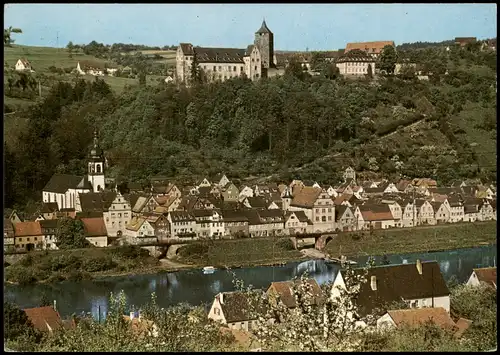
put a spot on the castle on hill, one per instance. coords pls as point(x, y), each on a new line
point(255, 62)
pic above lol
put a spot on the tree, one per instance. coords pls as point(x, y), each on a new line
point(369, 72)
point(7, 35)
point(324, 322)
point(70, 47)
point(294, 68)
point(317, 59)
point(17, 323)
point(195, 70)
point(70, 234)
point(388, 59)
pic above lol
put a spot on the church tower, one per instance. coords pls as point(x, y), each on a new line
point(96, 165)
point(264, 40)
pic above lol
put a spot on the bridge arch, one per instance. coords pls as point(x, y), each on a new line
point(173, 250)
point(322, 241)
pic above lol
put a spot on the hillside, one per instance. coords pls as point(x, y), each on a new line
point(45, 60)
point(290, 127)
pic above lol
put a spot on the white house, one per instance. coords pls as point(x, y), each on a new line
point(415, 317)
point(487, 275)
point(425, 212)
point(23, 64)
point(234, 309)
point(419, 285)
point(372, 216)
point(296, 222)
point(344, 218)
point(182, 224)
point(118, 215)
point(245, 191)
point(409, 217)
point(139, 230)
point(441, 211)
point(95, 231)
point(457, 212)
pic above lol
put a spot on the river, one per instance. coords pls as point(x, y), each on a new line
point(195, 288)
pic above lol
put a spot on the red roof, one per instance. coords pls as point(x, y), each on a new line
point(27, 229)
point(94, 227)
point(487, 274)
point(44, 318)
point(369, 47)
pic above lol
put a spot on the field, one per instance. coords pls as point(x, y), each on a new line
point(239, 253)
point(444, 237)
point(41, 58)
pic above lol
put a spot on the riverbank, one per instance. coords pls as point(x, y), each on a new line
point(53, 266)
point(414, 240)
point(79, 264)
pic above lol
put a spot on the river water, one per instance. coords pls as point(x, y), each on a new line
point(194, 287)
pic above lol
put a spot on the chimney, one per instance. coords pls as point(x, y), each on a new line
point(419, 267)
point(221, 298)
point(131, 315)
point(55, 305)
point(373, 283)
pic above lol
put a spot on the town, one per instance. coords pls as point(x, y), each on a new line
point(218, 208)
point(243, 197)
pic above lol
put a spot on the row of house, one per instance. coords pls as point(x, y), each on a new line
point(420, 285)
point(221, 209)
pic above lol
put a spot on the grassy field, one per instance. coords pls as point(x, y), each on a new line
point(240, 252)
point(41, 58)
point(444, 237)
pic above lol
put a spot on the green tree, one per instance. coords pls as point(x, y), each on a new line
point(7, 35)
point(70, 47)
point(388, 59)
point(369, 72)
point(17, 323)
point(195, 70)
point(71, 234)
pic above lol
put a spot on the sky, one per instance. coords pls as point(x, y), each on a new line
point(295, 26)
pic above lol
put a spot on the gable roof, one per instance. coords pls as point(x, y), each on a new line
point(49, 207)
point(44, 317)
point(413, 317)
point(257, 202)
point(237, 306)
point(285, 292)
point(340, 210)
point(27, 229)
point(94, 227)
point(60, 183)
point(215, 55)
point(25, 62)
point(369, 47)
point(301, 216)
point(306, 197)
point(96, 201)
point(487, 274)
point(135, 223)
point(395, 282)
point(373, 212)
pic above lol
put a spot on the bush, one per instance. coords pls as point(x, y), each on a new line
point(198, 250)
point(131, 252)
point(285, 244)
point(101, 263)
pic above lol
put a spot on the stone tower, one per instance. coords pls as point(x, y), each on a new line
point(96, 165)
point(264, 40)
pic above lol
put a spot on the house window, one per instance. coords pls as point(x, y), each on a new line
point(255, 67)
point(215, 68)
point(35, 239)
point(220, 68)
point(317, 219)
point(217, 311)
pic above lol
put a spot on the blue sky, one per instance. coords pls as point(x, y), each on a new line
point(295, 26)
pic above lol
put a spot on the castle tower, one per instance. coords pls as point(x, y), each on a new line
point(264, 40)
point(96, 165)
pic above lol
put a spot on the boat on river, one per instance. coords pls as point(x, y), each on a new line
point(208, 270)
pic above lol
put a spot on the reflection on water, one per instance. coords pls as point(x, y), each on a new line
point(195, 288)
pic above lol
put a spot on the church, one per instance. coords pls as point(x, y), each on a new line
point(63, 189)
point(255, 62)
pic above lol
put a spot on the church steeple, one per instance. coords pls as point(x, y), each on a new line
point(263, 28)
point(96, 165)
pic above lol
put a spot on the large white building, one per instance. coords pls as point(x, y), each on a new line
point(256, 61)
point(64, 189)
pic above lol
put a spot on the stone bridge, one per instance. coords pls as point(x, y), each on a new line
point(319, 240)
